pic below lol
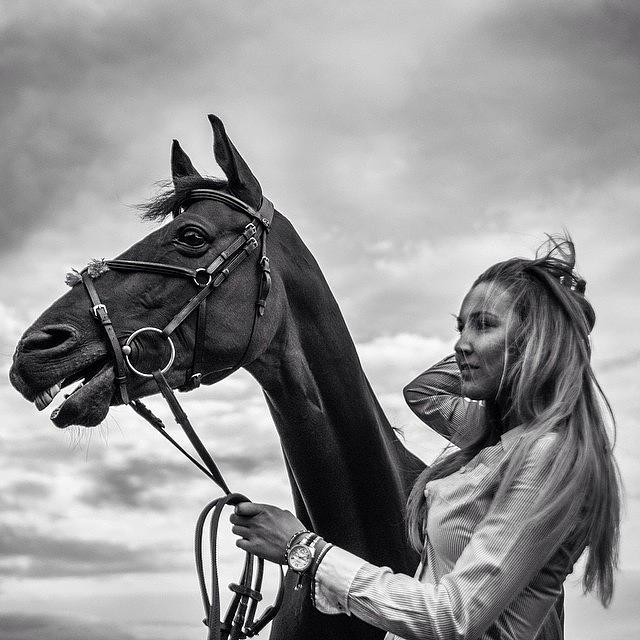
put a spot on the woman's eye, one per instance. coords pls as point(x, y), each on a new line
point(484, 324)
point(192, 237)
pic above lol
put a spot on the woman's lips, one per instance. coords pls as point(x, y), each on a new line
point(467, 369)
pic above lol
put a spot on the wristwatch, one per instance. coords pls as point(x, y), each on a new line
point(300, 555)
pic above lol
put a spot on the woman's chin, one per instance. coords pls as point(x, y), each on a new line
point(473, 392)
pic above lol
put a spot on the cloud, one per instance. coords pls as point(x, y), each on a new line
point(469, 127)
point(443, 123)
point(411, 150)
point(61, 67)
point(25, 626)
point(393, 359)
point(28, 489)
point(26, 552)
point(140, 483)
point(134, 483)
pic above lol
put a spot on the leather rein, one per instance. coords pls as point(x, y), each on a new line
point(239, 621)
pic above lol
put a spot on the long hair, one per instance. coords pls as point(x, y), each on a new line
point(548, 386)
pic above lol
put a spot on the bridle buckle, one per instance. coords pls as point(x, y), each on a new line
point(95, 309)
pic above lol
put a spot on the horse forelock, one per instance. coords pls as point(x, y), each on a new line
point(172, 195)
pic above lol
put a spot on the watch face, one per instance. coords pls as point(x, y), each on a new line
point(300, 557)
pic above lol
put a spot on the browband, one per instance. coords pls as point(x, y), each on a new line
point(264, 214)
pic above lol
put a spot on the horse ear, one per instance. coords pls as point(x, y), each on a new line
point(181, 165)
point(242, 183)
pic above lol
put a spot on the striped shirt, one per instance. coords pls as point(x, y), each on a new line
point(486, 572)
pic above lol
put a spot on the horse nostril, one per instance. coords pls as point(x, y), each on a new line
point(47, 338)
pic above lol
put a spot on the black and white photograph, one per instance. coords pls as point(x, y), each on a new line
point(319, 320)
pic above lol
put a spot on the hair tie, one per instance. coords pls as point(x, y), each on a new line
point(574, 283)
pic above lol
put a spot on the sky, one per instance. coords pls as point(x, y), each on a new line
point(411, 144)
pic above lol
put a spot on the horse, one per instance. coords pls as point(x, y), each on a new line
point(349, 472)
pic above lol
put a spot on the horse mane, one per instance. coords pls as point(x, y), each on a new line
point(172, 195)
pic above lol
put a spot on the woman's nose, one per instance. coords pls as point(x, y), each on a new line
point(463, 346)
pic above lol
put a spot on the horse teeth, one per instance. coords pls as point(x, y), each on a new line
point(44, 398)
point(67, 395)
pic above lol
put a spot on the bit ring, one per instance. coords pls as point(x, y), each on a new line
point(126, 351)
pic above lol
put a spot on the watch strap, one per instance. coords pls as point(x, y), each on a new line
point(308, 540)
point(292, 541)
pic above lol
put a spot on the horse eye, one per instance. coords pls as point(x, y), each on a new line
point(192, 237)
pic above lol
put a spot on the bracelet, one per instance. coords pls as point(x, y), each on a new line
point(291, 541)
point(314, 569)
point(318, 560)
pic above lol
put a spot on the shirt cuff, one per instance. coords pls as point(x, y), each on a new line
point(333, 580)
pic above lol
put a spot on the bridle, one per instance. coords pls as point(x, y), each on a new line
point(239, 620)
point(207, 279)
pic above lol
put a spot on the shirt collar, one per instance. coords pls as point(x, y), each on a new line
point(510, 438)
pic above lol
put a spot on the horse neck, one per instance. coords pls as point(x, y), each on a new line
point(349, 472)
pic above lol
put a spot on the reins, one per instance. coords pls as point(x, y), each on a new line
point(239, 621)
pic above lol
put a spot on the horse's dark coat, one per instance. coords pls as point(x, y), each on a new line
point(349, 473)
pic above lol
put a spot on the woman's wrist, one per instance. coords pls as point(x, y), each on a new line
point(317, 544)
point(293, 540)
point(321, 549)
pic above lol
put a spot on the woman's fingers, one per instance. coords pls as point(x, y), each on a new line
point(241, 520)
point(245, 545)
point(243, 532)
point(249, 509)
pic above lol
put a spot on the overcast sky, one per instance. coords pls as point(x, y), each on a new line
point(411, 144)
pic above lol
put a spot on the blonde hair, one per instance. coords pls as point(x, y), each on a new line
point(549, 386)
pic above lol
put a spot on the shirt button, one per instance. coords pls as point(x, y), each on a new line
point(463, 469)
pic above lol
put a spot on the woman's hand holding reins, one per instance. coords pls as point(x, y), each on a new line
point(264, 530)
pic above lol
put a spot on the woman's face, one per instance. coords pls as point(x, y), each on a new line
point(483, 324)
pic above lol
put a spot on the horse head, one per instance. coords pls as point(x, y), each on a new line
point(66, 344)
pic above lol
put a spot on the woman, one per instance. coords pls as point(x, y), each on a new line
point(501, 521)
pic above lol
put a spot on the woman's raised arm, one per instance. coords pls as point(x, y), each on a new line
point(435, 396)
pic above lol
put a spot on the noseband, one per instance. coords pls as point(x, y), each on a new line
point(239, 619)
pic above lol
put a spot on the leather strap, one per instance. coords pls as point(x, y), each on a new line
point(143, 411)
point(151, 267)
point(182, 419)
point(195, 374)
point(216, 281)
point(234, 262)
point(101, 314)
point(248, 233)
point(239, 619)
point(265, 279)
point(264, 214)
